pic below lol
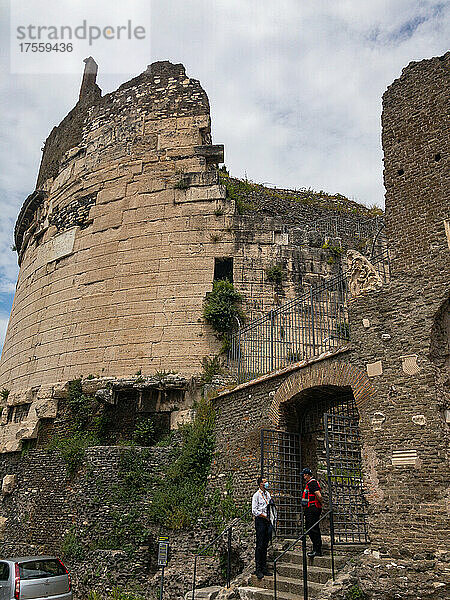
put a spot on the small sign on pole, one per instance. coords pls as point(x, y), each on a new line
point(163, 555)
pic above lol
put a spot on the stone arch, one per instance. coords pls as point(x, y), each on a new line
point(339, 374)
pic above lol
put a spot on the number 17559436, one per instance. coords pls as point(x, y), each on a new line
point(45, 47)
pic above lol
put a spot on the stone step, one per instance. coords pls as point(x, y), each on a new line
point(317, 574)
point(318, 561)
point(251, 593)
point(286, 584)
point(208, 593)
point(280, 545)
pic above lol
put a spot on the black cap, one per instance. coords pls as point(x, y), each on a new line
point(306, 472)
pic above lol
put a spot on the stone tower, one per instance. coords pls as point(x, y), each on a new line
point(113, 243)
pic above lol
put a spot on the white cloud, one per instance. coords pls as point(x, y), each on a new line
point(3, 326)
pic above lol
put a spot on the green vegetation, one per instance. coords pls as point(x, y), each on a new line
point(72, 449)
point(222, 308)
point(180, 495)
point(166, 440)
point(4, 393)
point(211, 366)
point(275, 274)
point(355, 593)
point(116, 594)
point(335, 252)
point(85, 412)
point(134, 477)
point(144, 433)
point(125, 533)
point(89, 426)
point(248, 197)
point(160, 375)
point(344, 476)
point(238, 190)
point(72, 548)
point(223, 506)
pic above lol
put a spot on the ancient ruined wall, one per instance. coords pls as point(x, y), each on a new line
point(415, 138)
point(97, 520)
point(238, 430)
point(400, 333)
point(118, 244)
point(400, 341)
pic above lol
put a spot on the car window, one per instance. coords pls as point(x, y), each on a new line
point(37, 569)
point(4, 571)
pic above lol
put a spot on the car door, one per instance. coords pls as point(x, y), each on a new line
point(4, 581)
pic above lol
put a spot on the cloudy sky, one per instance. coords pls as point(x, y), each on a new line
point(295, 86)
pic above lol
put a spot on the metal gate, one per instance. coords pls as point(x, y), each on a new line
point(345, 483)
point(280, 465)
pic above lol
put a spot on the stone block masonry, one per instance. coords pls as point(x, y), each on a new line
point(404, 326)
point(78, 305)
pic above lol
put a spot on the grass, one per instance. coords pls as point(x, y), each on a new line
point(248, 196)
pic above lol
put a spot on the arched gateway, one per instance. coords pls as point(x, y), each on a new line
point(315, 422)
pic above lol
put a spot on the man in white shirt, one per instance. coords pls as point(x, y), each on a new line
point(260, 510)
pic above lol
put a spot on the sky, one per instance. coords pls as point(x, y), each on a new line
point(295, 86)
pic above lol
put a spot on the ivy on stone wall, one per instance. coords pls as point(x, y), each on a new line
point(250, 196)
point(335, 252)
point(212, 366)
point(275, 274)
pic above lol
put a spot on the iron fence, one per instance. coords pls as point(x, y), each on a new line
point(303, 328)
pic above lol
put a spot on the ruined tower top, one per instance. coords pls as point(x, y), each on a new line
point(89, 87)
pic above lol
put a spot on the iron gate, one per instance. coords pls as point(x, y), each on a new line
point(280, 465)
point(345, 483)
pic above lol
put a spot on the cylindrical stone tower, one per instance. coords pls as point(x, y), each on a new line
point(114, 243)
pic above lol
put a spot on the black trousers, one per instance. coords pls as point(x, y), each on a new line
point(262, 527)
point(312, 515)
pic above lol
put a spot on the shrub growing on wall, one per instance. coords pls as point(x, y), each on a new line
point(275, 274)
point(180, 497)
point(222, 307)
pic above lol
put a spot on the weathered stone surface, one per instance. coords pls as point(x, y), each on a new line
point(362, 276)
point(8, 484)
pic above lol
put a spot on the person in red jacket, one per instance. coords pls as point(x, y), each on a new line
point(312, 502)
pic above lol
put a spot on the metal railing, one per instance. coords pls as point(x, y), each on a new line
point(303, 328)
point(348, 226)
point(302, 537)
point(228, 531)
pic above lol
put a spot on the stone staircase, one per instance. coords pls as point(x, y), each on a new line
point(290, 574)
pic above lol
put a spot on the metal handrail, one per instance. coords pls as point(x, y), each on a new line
point(228, 530)
point(328, 284)
point(302, 537)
